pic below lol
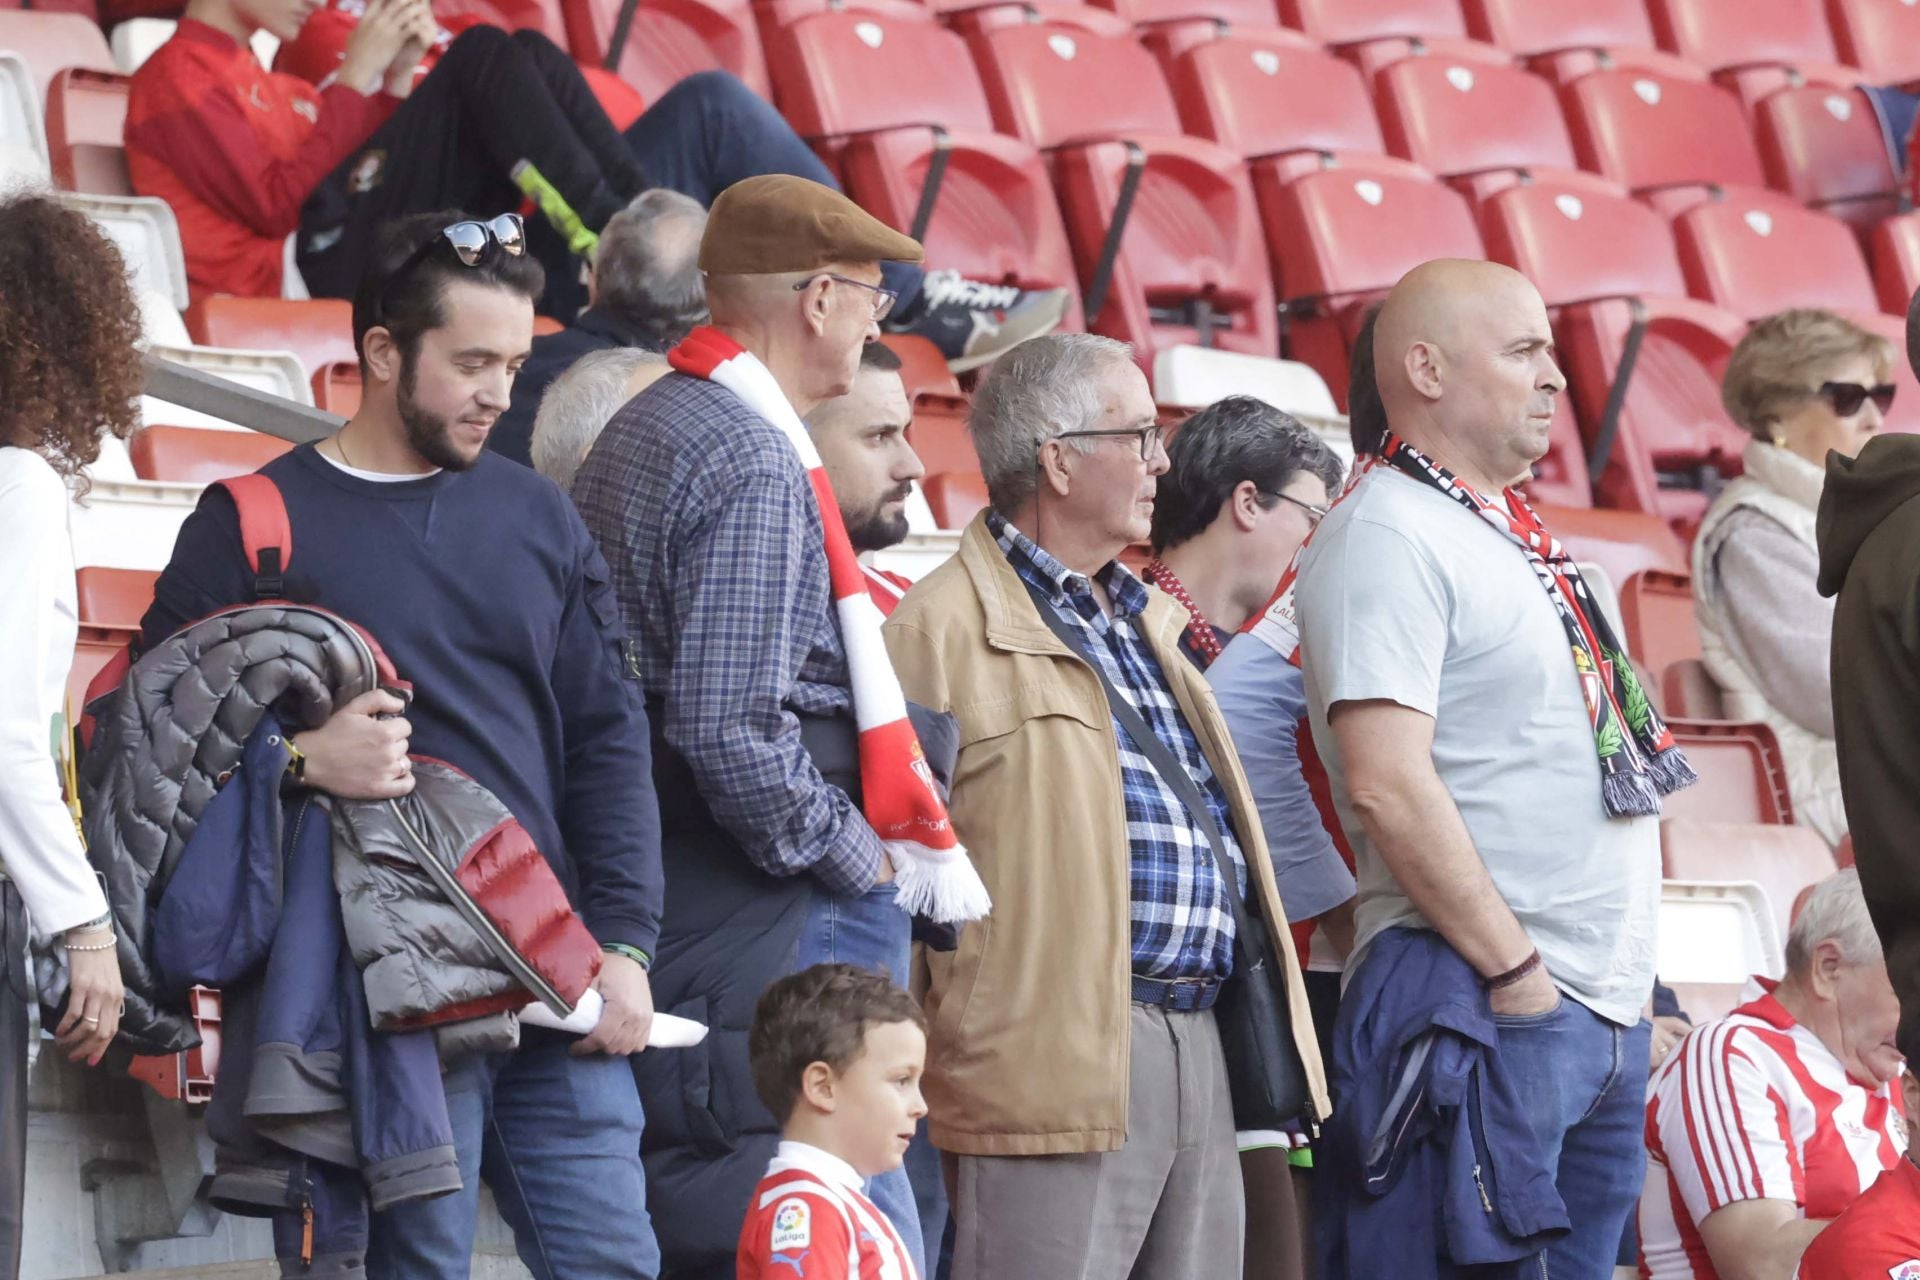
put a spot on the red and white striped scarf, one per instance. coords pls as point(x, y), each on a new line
point(934, 876)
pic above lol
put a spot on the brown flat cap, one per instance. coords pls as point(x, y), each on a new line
point(776, 223)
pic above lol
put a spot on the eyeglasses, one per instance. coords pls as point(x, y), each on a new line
point(1848, 397)
point(1150, 437)
point(1314, 514)
point(883, 297)
point(470, 240)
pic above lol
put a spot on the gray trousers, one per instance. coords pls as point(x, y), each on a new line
point(1166, 1206)
point(13, 1076)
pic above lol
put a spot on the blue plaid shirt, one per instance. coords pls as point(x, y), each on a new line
point(1182, 924)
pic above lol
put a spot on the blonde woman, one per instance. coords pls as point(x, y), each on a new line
point(1805, 383)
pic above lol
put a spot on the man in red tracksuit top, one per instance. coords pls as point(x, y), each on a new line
point(837, 1052)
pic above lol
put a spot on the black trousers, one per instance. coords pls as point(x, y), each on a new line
point(13, 1077)
point(493, 100)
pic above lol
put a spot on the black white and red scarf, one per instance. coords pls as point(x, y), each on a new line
point(1639, 761)
point(934, 876)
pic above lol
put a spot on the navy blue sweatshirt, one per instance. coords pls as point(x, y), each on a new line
point(488, 594)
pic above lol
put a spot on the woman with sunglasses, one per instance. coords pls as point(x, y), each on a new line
point(70, 369)
point(1805, 383)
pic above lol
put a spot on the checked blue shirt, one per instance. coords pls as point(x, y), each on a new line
point(1182, 923)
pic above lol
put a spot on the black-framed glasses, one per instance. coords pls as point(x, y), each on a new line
point(470, 240)
point(1848, 397)
point(1150, 437)
point(1315, 514)
point(883, 297)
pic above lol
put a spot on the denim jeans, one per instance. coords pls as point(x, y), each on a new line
point(557, 1138)
point(869, 931)
point(709, 131)
point(1583, 1082)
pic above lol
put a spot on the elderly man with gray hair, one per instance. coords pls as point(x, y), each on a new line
point(580, 403)
point(1098, 793)
point(1764, 1125)
point(645, 292)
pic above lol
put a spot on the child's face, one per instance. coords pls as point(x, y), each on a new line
point(877, 1102)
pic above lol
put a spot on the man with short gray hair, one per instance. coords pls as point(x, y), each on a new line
point(1075, 1072)
point(1764, 1125)
point(645, 292)
point(580, 403)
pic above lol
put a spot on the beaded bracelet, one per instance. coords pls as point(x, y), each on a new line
point(108, 945)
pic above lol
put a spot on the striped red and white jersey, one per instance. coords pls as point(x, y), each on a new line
point(810, 1220)
point(1755, 1107)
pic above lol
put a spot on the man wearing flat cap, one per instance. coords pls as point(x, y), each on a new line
point(736, 581)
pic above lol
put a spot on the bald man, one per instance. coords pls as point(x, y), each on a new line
point(1500, 775)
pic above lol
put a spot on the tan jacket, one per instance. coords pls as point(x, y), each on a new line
point(1028, 1052)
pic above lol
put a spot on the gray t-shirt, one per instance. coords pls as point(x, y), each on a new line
point(1405, 595)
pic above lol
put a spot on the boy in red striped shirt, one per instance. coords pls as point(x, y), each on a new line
point(837, 1053)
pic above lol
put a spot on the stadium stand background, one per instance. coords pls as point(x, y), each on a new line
point(1222, 183)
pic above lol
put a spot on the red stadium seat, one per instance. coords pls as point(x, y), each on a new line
point(1189, 266)
point(1823, 146)
point(1253, 14)
point(1687, 692)
point(336, 388)
point(1482, 127)
point(1757, 260)
point(1270, 96)
point(86, 118)
point(939, 436)
point(1659, 135)
point(51, 42)
point(1743, 774)
point(871, 89)
point(1530, 29)
point(1621, 542)
point(1600, 261)
point(1376, 56)
point(1752, 46)
point(1782, 859)
point(319, 330)
point(197, 455)
point(1894, 247)
point(1881, 37)
point(923, 369)
point(1656, 619)
point(955, 497)
point(115, 599)
point(1344, 22)
point(1345, 236)
point(671, 39)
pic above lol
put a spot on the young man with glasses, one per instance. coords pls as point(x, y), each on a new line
point(482, 585)
point(1075, 1074)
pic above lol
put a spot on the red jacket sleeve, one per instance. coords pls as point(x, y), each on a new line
point(209, 143)
point(800, 1237)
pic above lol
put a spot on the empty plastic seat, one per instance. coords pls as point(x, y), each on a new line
point(49, 43)
point(1483, 127)
point(1270, 96)
point(86, 119)
point(1823, 146)
point(1236, 13)
point(1621, 542)
point(1752, 46)
point(1660, 135)
point(277, 373)
point(1529, 28)
point(923, 370)
point(23, 138)
point(1716, 935)
point(1656, 615)
point(1756, 260)
point(114, 599)
point(1894, 249)
point(670, 39)
point(1688, 692)
point(1881, 37)
point(318, 330)
point(1605, 265)
point(1743, 775)
point(1188, 265)
point(887, 97)
point(1195, 377)
point(1781, 859)
point(147, 235)
point(955, 497)
point(336, 388)
point(1343, 22)
point(193, 455)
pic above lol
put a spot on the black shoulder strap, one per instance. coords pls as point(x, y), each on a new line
point(1148, 743)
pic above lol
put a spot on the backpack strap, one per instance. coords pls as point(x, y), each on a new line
point(265, 531)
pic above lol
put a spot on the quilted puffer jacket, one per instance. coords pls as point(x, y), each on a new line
point(449, 907)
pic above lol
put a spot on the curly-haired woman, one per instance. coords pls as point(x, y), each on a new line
point(69, 372)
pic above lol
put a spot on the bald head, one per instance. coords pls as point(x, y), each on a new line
point(1463, 356)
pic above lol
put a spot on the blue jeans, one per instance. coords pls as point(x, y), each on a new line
point(869, 931)
point(1583, 1082)
point(557, 1138)
point(709, 131)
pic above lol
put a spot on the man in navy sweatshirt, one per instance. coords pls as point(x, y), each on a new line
point(479, 580)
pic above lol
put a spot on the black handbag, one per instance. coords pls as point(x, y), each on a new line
point(1265, 1075)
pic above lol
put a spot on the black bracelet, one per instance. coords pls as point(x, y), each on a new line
point(1516, 973)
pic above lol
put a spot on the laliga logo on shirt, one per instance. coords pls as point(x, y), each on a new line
point(1908, 1270)
point(792, 1228)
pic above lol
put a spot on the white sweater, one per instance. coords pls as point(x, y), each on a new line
point(39, 621)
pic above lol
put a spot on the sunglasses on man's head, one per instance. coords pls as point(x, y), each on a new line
point(470, 240)
point(1848, 397)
